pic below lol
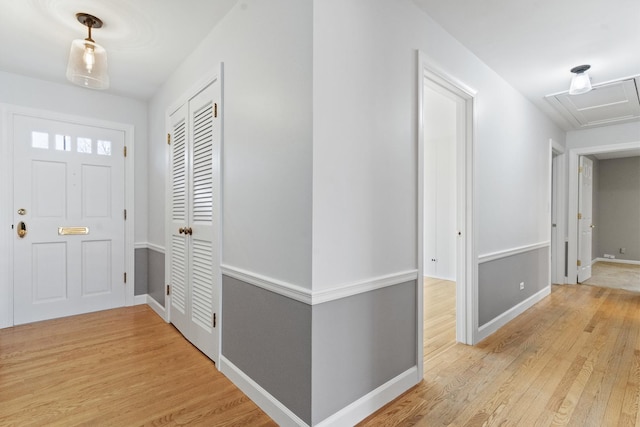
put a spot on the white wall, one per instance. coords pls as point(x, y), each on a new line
point(606, 135)
point(266, 50)
point(440, 139)
point(365, 139)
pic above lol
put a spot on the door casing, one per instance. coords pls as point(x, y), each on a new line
point(572, 211)
point(467, 268)
point(7, 112)
point(216, 75)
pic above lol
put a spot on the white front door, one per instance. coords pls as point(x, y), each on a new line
point(585, 218)
point(68, 209)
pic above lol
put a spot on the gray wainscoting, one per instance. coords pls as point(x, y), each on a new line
point(142, 270)
point(359, 343)
point(499, 282)
point(150, 274)
point(156, 283)
point(268, 337)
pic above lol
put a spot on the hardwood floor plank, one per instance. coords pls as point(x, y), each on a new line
point(573, 359)
point(117, 367)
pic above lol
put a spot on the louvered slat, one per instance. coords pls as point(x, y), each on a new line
point(178, 273)
point(179, 186)
point(202, 204)
point(202, 284)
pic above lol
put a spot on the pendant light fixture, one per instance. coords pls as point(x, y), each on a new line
point(580, 83)
point(88, 60)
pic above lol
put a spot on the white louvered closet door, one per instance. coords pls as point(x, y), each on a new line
point(195, 219)
point(178, 219)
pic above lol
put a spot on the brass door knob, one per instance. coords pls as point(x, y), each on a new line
point(181, 230)
point(22, 229)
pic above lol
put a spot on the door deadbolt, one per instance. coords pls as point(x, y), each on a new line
point(22, 229)
point(22, 211)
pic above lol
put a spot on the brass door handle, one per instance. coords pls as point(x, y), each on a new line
point(181, 230)
point(188, 231)
point(22, 229)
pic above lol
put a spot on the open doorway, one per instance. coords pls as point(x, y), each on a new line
point(442, 112)
point(613, 150)
point(445, 212)
point(558, 240)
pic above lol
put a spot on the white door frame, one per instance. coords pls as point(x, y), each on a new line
point(559, 206)
point(467, 264)
point(210, 78)
point(6, 197)
point(572, 213)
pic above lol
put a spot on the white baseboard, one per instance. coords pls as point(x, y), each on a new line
point(371, 402)
point(618, 261)
point(269, 404)
point(498, 322)
point(155, 306)
point(140, 299)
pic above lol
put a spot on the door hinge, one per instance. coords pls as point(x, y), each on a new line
point(125, 214)
point(580, 169)
point(125, 151)
point(168, 289)
point(579, 215)
point(214, 320)
point(169, 138)
point(125, 277)
point(579, 263)
point(215, 110)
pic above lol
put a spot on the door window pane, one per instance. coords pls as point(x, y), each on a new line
point(104, 148)
point(84, 145)
point(40, 140)
point(63, 142)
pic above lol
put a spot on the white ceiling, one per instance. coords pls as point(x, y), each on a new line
point(530, 43)
point(145, 40)
point(534, 43)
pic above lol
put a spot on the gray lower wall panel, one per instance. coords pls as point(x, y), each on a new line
point(268, 337)
point(359, 343)
point(141, 271)
point(499, 282)
point(156, 282)
point(150, 274)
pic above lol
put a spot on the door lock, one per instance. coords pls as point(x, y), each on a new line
point(22, 229)
point(22, 211)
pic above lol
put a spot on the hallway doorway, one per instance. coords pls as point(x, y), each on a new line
point(445, 207)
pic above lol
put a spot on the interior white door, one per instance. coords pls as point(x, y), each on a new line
point(194, 224)
point(68, 219)
point(585, 218)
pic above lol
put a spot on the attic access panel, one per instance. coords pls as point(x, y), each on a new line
point(609, 103)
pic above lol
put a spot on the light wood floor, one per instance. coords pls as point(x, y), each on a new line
point(572, 359)
point(123, 367)
point(439, 317)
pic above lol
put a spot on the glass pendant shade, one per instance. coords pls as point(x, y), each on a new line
point(88, 65)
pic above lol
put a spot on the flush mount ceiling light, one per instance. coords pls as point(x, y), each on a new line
point(580, 83)
point(88, 60)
